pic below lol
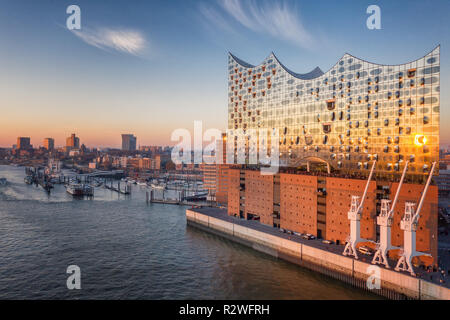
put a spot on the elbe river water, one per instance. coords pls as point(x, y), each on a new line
point(127, 249)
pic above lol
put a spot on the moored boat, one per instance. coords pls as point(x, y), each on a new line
point(28, 180)
point(75, 190)
point(80, 190)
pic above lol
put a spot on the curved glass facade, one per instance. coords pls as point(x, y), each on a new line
point(354, 113)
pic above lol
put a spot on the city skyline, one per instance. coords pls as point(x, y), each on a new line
point(83, 82)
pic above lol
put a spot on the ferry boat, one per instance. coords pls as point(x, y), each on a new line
point(75, 190)
point(79, 190)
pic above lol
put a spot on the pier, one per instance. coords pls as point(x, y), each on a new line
point(314, 255)
point(181, 199)
point(38, 177)
point(119, 189)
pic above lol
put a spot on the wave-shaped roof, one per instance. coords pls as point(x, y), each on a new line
point(317, 72)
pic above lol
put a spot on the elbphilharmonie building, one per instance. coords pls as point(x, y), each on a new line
point(348, 116)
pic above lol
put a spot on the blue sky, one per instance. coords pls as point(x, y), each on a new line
point(149, 67)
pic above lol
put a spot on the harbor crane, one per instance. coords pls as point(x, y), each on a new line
point(384, 220)
point(409, 226)
point(354, 215)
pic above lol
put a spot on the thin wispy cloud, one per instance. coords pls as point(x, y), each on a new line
point(279, 19)
point(214, 17)
point(121, 40)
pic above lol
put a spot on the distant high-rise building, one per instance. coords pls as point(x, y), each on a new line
point(49, 144)
point(23, 143)
point(73, 142)
point(128, 142)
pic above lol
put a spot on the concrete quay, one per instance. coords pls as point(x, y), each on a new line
point(314, 256)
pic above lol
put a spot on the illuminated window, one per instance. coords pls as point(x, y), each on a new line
point(331, 104)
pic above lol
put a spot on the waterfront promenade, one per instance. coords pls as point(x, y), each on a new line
point(317, 254)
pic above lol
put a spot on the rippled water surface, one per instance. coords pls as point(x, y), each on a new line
point(128, 250)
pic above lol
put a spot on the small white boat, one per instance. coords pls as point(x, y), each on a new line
point(158, 186)
point(141, 183)
point(28, 180)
